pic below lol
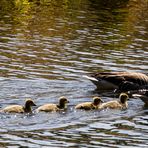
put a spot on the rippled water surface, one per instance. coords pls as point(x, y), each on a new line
point(46, 48)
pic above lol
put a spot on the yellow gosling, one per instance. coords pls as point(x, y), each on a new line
point(90, 105)
point(54, 107)
point(116, 104)
point(20, 109)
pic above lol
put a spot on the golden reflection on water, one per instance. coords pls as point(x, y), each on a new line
point(55, 35)
point(50, 34)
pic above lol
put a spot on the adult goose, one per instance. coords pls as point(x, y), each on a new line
point(90, 105)
point(20, 109)
point(116, 104)
point(50, 107)
point(143, 95)
point(121, 81)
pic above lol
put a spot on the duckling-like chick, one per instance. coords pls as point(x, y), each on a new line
point(54, 107)
point(90, 105)
point(116, 104)
point(19, 108)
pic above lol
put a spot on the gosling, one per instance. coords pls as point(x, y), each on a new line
point(116, 104)
point(20, 109)
point(54, 107)
point(90, 105)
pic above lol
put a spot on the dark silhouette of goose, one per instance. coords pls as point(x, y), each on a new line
point(121, 81)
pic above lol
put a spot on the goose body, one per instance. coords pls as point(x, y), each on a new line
point(54, 107)
point(116, 104)
point(90, 105)
point(122, 81)
point(19, 108)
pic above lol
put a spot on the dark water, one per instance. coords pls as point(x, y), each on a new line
point(46, 47)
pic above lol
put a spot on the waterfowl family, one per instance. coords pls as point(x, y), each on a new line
point(54, 107)
point(116, 104)
point(122, 81)
point(90, 105)
point(143, 95)
point(20, 109)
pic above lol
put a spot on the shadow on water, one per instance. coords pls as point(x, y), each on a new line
point(46, 47)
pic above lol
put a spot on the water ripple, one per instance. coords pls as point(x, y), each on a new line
point(43, 54)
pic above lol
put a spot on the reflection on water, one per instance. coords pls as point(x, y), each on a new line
point(46, 47)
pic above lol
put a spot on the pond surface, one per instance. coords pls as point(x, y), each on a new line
point(46, 48)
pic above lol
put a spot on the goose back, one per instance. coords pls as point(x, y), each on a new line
point(119, 80)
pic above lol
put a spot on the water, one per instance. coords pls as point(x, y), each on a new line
point(46, 48)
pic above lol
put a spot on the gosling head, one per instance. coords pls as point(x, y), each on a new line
point(123, 97)
point(97, 101)
point(29, 102)
point(63, 101)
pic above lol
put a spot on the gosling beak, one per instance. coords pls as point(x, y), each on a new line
point(33, 104)
point(67, 101)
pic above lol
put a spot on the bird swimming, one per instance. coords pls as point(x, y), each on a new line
point(50, 107)
point(121, 81)
point(116, 104)
point(20, 109)
point(90, 105)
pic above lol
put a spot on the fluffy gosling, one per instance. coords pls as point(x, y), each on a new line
point(116, 104)
point(20, 109)
point(90, 105)
point(54, 107)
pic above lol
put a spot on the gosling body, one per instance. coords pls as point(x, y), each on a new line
point(116, 104)
point(90, 105)
point(20, 109)
point(54, 107)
